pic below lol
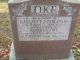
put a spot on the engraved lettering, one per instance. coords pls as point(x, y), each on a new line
point(45, 9)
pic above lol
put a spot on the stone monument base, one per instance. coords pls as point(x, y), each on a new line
point(12, 56)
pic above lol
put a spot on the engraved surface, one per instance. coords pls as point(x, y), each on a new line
point(43, 28)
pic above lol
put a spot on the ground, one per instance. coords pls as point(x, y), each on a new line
point(5, 32)
point(6, 36)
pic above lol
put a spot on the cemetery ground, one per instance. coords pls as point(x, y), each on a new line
point(6, 36)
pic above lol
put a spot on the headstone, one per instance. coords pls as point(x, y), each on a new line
point(42, 28)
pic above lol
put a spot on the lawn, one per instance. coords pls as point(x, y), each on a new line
point(5, 31)
point(6, 36)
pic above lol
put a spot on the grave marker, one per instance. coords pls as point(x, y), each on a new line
point(43, 28)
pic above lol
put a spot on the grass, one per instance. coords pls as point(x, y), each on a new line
point(5, 34)
point(5, 31)
point(3, 7)
point(3, 1)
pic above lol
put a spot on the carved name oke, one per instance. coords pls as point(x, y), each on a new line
point(45, 9)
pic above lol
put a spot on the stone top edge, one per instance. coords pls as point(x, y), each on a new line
point(19, 1)
point(16, 1)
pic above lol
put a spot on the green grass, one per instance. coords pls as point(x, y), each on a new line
point(77, 33)
point(3, 0)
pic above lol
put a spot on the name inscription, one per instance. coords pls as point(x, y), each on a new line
point(45, 9)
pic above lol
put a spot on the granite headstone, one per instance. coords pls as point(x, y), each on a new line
point(42, 28)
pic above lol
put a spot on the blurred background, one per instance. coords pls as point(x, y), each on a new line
point(6, 35)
